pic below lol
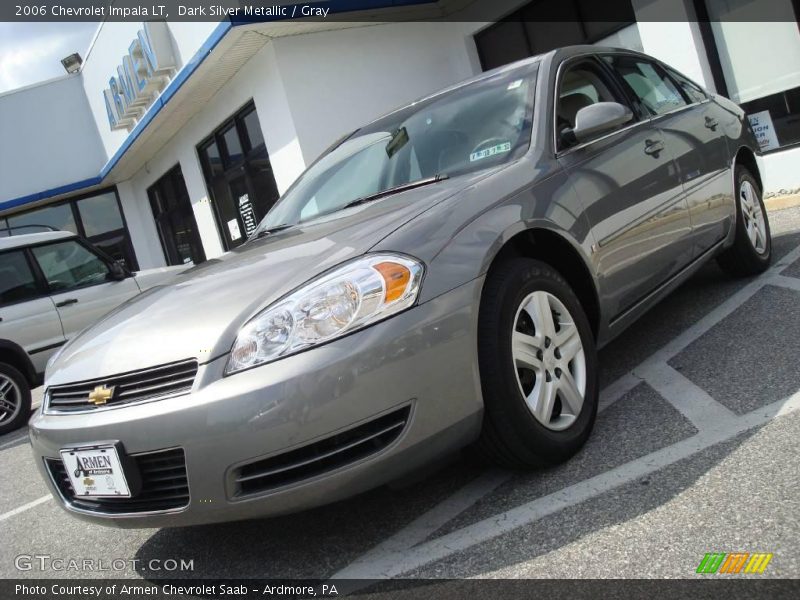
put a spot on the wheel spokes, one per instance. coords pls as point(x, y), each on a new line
point(526, 350)
point(539, 309)
point(568, 341)
point(569, 393)
point(542, 399)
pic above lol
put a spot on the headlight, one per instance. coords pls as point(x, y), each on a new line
point(351, 297)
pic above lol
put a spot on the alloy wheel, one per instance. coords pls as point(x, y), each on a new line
point(549, 360)
point(753, 216)
point(10, 399)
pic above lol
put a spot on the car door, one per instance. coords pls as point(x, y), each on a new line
point(629, 186)
point(694, 135)
point(28, 317)
point(701, 151)
point(79, 283)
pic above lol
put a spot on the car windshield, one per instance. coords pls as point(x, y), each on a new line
point(473, 127)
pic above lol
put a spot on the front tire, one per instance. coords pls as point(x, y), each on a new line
point(751, 252)
point(538, 367)
point(15, 399)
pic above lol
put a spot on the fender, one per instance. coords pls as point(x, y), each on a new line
point(21, 359)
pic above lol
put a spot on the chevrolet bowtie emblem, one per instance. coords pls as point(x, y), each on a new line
point(101, 394)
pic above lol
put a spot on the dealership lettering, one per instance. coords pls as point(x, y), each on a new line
point(145, 70)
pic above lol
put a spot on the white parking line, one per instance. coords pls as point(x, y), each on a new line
point(24, 507)
point(691, 400)
point(422, 527)
point(14, 441)
point(787, 282)
point(393, 564)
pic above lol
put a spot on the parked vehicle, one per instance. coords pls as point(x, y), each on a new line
point(52, 285)
point(442, 276)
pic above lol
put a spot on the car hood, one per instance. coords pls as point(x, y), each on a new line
point(147, 278)
point(198, 314)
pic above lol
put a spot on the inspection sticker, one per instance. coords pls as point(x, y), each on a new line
point(498, 149)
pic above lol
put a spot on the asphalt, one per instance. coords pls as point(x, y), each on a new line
point(694, 451)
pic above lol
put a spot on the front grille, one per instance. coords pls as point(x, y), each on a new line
point(164, 485)
point(321, 456)
point(159, 382)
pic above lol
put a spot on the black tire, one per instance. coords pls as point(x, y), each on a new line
point(742, 259)
point(23, 402)
point(512, 437)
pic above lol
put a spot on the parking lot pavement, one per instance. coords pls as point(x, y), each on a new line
point(694, 451)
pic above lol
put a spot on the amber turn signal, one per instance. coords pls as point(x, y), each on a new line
point(396, 277)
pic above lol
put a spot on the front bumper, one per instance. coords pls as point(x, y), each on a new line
point(424, 359)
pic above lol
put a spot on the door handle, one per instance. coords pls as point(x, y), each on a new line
point(711, 123)
point(67, 302)
point(653, 147)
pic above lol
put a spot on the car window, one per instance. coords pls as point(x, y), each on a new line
point(648, 83)
point(68, 265)
point(581, 85)
point(17, 282)
point(463, 130)
point(693, 91)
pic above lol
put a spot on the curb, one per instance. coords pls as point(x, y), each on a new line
point(781, 202)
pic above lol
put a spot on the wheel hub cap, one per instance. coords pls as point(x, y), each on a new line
point(549, 360)
point(9, 399)
point(753, 217)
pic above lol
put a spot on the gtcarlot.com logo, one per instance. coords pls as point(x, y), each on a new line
point(47, 562)
point(734, 563)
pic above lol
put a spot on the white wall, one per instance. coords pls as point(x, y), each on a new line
point(308, 90)
point(779, 171)
point(259, 80)
point(338, 80)
point(49, 138)
point(677, 43)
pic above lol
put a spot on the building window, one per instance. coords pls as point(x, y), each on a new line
point(760, 64)
point(97, 217)
point(174, 217)
point(56, 216)
point(238, 175)
point(542, 25)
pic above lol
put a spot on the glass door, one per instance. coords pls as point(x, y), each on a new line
point(174, 217)
point(239, 176)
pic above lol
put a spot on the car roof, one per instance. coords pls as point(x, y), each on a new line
point(30, 239)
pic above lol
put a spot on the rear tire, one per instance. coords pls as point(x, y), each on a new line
point(537, 358)
point(751, 252)
point(15, 399)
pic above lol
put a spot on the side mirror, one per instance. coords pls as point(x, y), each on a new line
point(599, 118)
point(118, 272)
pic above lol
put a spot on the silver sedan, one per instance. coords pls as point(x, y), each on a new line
point(441, 277)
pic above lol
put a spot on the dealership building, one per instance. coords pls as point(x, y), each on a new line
point(173, 139)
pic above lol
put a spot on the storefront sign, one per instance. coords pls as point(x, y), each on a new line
point(761, 122)
point(248, 214)
point(233, 228)
point(145, 70)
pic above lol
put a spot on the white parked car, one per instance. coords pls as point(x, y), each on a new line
point(53, 285)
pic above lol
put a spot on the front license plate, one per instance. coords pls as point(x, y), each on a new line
point(96, 472)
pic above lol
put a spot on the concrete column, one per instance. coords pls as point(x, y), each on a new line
point(677, 43)
point(141, 226)
point(201, 205)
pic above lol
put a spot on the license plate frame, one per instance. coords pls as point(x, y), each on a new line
point(97, 470)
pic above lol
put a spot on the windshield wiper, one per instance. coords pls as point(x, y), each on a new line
point(271, 230)
point(397, 189)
